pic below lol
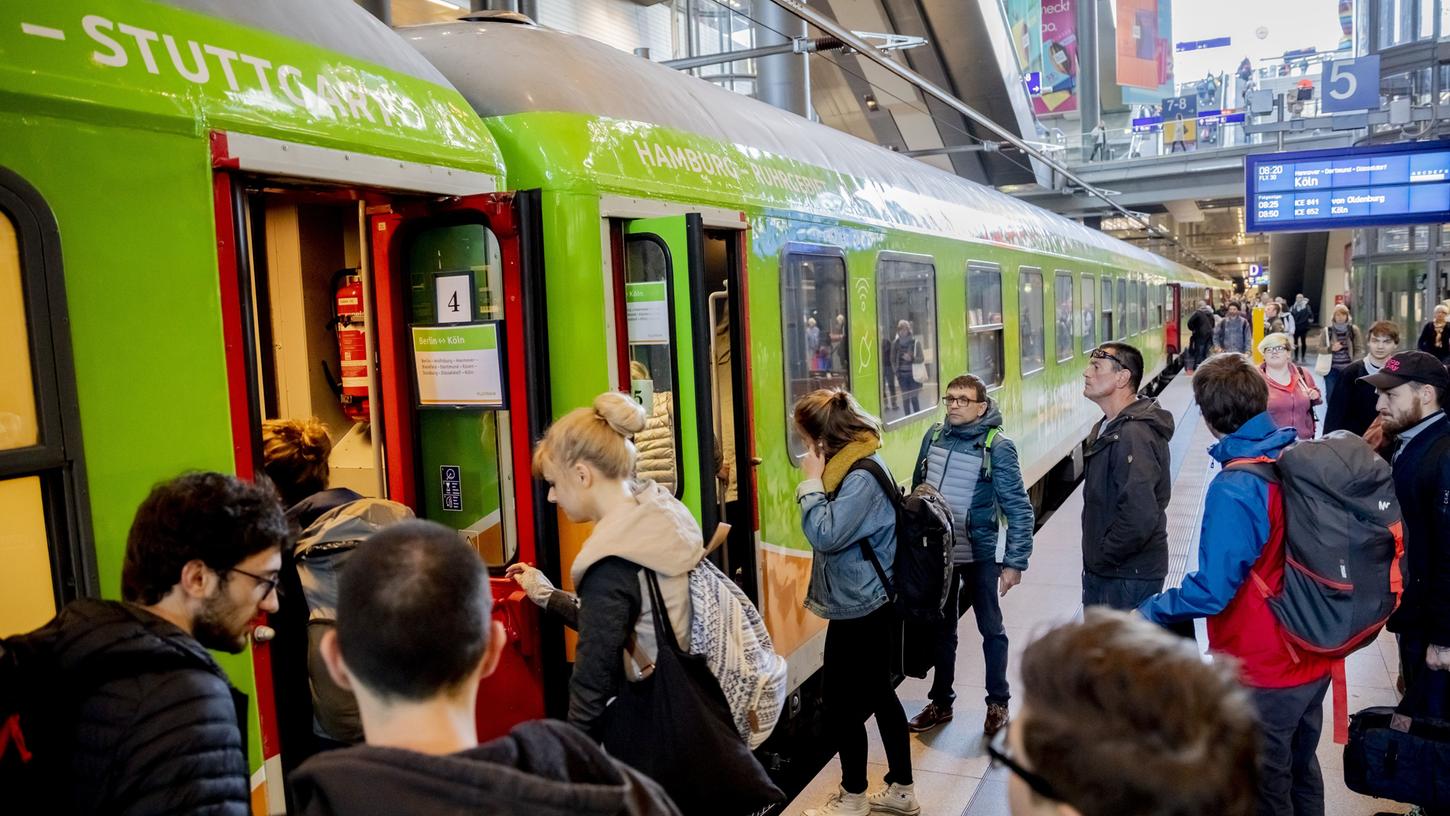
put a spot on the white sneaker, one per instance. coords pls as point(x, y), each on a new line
point(897, 799)
point(844, 804)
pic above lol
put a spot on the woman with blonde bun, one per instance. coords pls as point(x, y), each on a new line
point(1293, 392)
point(588, 460)
point(842, 509)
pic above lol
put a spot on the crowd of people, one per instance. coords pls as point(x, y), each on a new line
point(1117, 714)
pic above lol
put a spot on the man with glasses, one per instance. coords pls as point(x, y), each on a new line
point(157, 727)
point(976, 469)
point(1127, 484)
point(1082, 744)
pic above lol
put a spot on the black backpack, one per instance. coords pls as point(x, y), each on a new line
point(38, 707)
point(1342, 542)
point(924, 538)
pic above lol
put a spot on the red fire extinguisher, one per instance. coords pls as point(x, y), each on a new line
point(347, 321)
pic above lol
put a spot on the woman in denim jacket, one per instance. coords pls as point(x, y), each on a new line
point(839, 508)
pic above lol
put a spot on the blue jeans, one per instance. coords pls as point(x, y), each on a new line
point(973, 586)
point(1118, 593)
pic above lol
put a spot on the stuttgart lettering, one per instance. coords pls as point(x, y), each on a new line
point(323, 96)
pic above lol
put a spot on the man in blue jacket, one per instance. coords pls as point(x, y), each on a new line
point(975, 467)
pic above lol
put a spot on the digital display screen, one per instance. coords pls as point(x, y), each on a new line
point(1407, 183)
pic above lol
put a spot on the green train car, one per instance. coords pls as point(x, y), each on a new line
point(213, 213)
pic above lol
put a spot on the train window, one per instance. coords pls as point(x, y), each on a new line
point(1032, 336)
point(1121, 310)
point(1062, 294)
point(817, 329)
point(1107, 312)
point(1165, 303)
point(1135, 312)
point(46, 545)
point(906, 322)
point(984, 322)
point(1088, 326)
point(652, 358)
point(1145, 316)
point(18, 424)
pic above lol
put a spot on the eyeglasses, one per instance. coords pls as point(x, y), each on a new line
point(1276, 348)
point(1100, 354)
point(997, 749)
point(268, 585)
point(952, 402)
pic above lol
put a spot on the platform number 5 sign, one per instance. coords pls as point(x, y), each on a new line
point(1351, 84)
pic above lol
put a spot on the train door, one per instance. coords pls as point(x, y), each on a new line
point(461, 353)
point(682, 325)
point(1172, 330)
point(407, 328)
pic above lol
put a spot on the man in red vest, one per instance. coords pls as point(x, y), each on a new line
point(1243, 531)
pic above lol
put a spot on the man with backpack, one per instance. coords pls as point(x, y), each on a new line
point(1412, 387)
point(119, 705)
point(1241, 549)
point(418, 695)
point(975, 468)
point(1127, 485)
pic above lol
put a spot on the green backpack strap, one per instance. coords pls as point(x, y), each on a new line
point(987, 453)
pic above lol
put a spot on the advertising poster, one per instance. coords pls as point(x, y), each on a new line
point(458, 366)
point(1044, 40)
point(1144, 50)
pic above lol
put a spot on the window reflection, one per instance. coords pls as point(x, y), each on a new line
point(906, 318)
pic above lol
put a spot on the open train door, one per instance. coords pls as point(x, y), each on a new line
point(462, 355)
point(683, 346)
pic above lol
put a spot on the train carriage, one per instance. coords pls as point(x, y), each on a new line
point(213, 214)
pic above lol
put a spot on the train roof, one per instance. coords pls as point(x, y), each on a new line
point(505, 68)
point(319, 72)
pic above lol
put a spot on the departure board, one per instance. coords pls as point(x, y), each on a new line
point(1407, 183)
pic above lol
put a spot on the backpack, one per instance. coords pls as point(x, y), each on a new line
point(728, 630)
point(319, 556)
point(924, 540)
point(1343, 541)
point(38, 706)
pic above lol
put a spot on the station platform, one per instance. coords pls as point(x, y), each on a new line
point(953, 774)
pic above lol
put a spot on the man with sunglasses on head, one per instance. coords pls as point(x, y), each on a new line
point(1127, 484)
point(153, 724)
point(1120, 718)
point(975, 467)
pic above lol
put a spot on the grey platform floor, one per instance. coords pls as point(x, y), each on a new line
point(952, 772)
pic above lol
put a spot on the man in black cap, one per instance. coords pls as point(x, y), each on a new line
point(1412, 390)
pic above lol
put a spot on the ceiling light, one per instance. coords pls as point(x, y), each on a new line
point(448, 5)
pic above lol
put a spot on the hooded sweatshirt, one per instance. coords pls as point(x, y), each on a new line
point(542, 768)
point(657, 533)
point(1125, 494)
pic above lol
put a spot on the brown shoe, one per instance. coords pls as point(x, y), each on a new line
point(930, 717)
point(996, 718)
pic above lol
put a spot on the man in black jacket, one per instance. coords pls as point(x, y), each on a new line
point(414, 638)
point(1412, 386)
point(1127, 484)
point(1200, 331)
point(158, 728)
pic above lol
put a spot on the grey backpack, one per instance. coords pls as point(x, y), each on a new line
point(320, 555)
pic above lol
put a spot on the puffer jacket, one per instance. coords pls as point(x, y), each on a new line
point(1125, 494)
point(656, 533)
point(542, 768)
point(163, 735)
point(951, 461)
point(656, 443)
point(844, 584)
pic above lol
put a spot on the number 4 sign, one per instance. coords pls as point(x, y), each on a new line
point(1350, 85)
point(454, 297)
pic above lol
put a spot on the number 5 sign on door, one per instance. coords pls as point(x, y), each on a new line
point(1351, 84)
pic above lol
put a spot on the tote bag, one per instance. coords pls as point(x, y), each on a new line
point(675, 726)
point(1324, 363)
